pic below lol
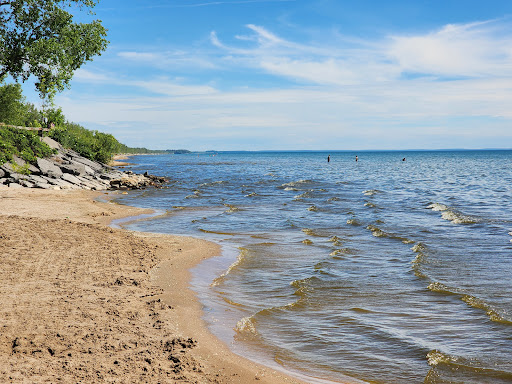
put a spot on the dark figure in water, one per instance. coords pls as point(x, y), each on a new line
point(357, 158)
point(403, 159)
point(328, 158)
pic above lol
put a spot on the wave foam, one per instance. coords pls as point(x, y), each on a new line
point(452, 215)
point(377, 232)
point(246, 325)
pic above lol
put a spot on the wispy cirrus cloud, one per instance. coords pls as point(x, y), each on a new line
point(470, 50)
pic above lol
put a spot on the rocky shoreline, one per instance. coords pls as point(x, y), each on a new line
point(69, 170)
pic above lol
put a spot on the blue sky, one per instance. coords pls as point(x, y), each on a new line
point(299, 74)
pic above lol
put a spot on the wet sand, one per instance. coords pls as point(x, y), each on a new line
point(82, 302)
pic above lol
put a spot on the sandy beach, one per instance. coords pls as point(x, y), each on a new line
point(82, 302)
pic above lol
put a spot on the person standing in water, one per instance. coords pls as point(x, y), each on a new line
point(357, 158)
point(328, 158)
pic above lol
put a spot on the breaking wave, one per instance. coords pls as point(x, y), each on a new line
point(377, 232)
point(239, 260)
point(371, 192)
point(304, 195)
point(295, 184)
point(232, 208)
point(470, 370)
point(214, 183)
point(453, 215)
point(494, 314)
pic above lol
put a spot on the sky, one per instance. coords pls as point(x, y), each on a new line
point(299, 75)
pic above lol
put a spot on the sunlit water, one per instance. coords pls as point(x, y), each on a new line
point(381, 270)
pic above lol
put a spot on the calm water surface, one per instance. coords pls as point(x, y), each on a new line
point(380, 271)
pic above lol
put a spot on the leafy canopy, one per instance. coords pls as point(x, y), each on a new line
point(40, 38)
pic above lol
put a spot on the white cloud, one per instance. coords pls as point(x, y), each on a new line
point(475, 50)
point(355, 94)
point(465, 50)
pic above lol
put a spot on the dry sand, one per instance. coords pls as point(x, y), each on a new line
point(81, 302)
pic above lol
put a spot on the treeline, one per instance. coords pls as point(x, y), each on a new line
point(14, 110)
point(137, 150)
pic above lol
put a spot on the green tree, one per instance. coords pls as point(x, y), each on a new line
point(12, 105)
point(33, 117)
point(40, 38)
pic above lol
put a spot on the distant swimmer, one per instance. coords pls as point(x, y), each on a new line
point(357, 158)
point(403, 159)
point(328, 158)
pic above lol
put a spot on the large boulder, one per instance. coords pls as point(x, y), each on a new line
point(97, 167)
point(48, 168)
point(23, 164)
point(51, 143)
point(71, 179)
point(75, 168)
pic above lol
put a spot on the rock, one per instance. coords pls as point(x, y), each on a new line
point(74, 168)
point(51, 143)
point(89, 170)
point(71, 179)
point(8, 169)
point(14, 177)
point(26, 183)
point(48, 168)
point(43, 186)
point(63, 184)
point(20, 163)
point(36, 179)
point(94, 166)
point(68, 170)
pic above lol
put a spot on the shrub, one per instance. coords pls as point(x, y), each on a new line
point(22, 143)
point(94, 145)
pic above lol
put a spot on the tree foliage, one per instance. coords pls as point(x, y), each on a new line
point(40, 38)
point(12, 106)
point(94, 145)
point(25, 144)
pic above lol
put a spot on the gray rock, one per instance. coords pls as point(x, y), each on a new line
point(2, 173)
point(48, 168)
point(26, 183)
point(3, 181)
point(43, 186)
point(36, 179)
point(71, 179)
point(58, 182)
point(51, 143)
point(15, 185)
point(89, 184)
point(8, 168)
point(73, 168)
point(91, 164)
point(16, 176)
point(18, 162)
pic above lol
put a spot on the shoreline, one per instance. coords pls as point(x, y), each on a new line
point(71, 329)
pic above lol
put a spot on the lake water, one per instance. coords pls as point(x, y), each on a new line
point(380, 270)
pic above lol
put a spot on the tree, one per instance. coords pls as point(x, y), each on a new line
point(40, 38)
point(12, 104)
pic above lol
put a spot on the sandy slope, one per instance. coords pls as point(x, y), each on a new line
point(81, 302)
